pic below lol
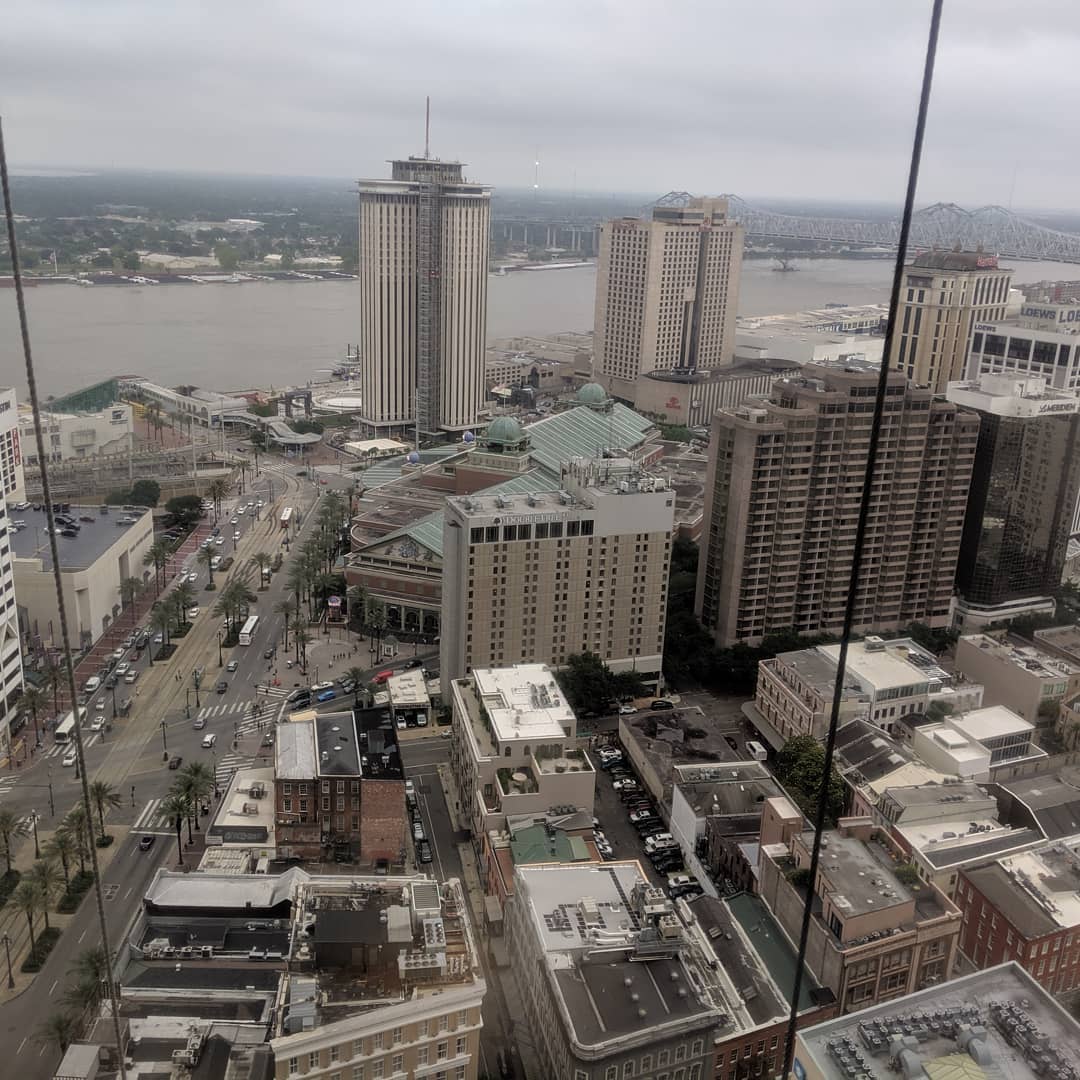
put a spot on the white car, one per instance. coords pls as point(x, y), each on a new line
point(132, 675)
point(92, 684)
point(193, 611)
point(236, 534)
point(240, 510)
point(209, 740)
point(118, 654)
point(627, 710)
point(660, 840)
point(70, 758)
point(122, 668)
point(215, 563)
point(260, 504)
point(219, 541)
point(322, 686)
point(98, 724)
point(234, 521)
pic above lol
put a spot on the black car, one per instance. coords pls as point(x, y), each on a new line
point(415, 662)
point(661, 703)
point(668, 865)
point(175, 761)
point(222, 686)
point(146, 843)
point(110, 680)
point(268, 654)
point(423, 851)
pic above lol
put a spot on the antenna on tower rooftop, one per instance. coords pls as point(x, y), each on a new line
point(427, 127)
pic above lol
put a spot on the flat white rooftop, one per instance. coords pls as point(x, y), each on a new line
point(524, 702)
point(990, 722)
point(408, 688)
point(886, 668)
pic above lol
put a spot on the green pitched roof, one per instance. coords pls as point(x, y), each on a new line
point(428, 530)
point(581, 432)
point(534, 845)
point(577, 432)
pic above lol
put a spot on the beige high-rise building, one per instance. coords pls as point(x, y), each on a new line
point(539, 577)
point(423, 269)
point(782, 499)
point(945, 293)
point(667, 290)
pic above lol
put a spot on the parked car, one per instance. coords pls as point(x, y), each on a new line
point(418, 831)
point(111, 680)
point(662, 703)
point(423, 850)
point(327, 685)
point(132, 675)
point(118, 654)
point(415, 662)
point(123, 668)
point(146, 843)
point(193, 611)
point(327, 695)
point(627, 710)
point(641, 815)
point(92, 684)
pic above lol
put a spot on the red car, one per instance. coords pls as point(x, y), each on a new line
point(381, 678)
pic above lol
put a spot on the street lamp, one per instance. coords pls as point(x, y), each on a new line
point(220, 660)
point(52, 807)
point(7, 949)
point(164, 744)
point(33, 822)
point(213, 756)
point(196, 680)
point(113, 689)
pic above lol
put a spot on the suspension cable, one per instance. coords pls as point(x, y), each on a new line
point(35, 404)
point(864, 516)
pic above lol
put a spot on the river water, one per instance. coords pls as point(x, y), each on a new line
point(227, 337)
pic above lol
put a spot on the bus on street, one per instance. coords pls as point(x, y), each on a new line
point(65, 730)
point(247, 631)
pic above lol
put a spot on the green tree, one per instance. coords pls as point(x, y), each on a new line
point(130, 588)
point(174, 808)
point(80, 828)
point(46, 875)
point(10, 828)
point(145, 492)
point(799, 767)
point(61, 846)
point(157, 555)
point(216, 490)
point(937, 641)
point(53, 674)
point(196, 781)
point(27, 898)
point(227, 256)
point(58, 1030)
point(205, 558)
point(131, 261)
point(262, 562)
point(288, 260)
point(36, 701)
point(104, 797)
point(186, 509)
point(161, 621)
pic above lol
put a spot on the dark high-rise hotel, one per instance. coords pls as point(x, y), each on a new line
point(1023, 493)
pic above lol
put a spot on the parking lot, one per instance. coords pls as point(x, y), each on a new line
point(611, 811)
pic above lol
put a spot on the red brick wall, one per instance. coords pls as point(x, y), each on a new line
point(382, 820)
point(733, 1060)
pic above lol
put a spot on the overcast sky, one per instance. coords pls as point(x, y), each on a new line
point(757, 97)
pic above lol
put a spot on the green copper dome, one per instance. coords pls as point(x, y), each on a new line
point(591, 394)
point(505, 431)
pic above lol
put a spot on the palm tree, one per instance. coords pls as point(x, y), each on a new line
point(104, 797)
point(377, 621)
point(301, 639)
point(262, 561)
point(83, 995)
point(80, 827)
point(216, 490)
point(53, 674)
point(161, 620)
point(130, 587)
point(356, 595)
point(10, 827)
point(285, 609)
point(205, 557)
point(91, 963)
point(197, 781)
point(46, 875)
point(175, 806)
point(61, 845)
point(35, 700)
point(157, 555)
point(60, 1028)
point(27, 898)
point(183, 597)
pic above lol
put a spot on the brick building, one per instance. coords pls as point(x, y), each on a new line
point(1026, 908)
point(339, 788)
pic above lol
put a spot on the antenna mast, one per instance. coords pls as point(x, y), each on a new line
point(427, 127)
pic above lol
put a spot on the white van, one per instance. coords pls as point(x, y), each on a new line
point(756, 750)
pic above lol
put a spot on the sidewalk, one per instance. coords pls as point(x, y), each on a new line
point(13, 921)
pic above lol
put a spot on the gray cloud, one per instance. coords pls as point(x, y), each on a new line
point(769, 97)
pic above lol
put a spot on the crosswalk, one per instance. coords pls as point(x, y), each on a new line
point(208, 712)
point(152, 820)
point(60, 749)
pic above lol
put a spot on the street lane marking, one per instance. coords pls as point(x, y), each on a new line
point(81, 936)
point(22, 1044)
point(53, 987)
